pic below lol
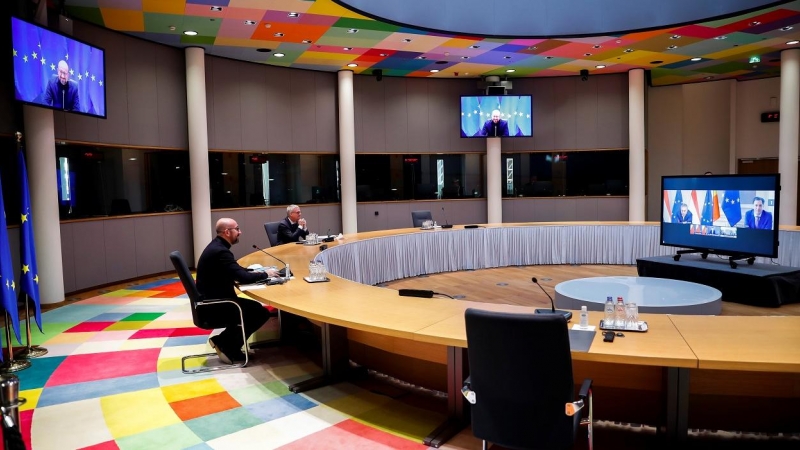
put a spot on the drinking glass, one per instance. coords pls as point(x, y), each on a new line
point(631, 316)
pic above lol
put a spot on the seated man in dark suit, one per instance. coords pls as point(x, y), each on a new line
point(757, 217)
point(61, 92)
point(684, 216)
point(495, 126)
point(293, 227)
point(217, 270)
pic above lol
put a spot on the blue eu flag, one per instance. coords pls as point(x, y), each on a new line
point(29, 275)
point(732, 207)
point(707, 218)
point(676, 206)
point(7, 296)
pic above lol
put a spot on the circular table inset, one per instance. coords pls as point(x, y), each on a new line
point(652, 295)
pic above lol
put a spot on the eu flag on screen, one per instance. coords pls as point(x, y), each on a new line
point(514, 109)
point(29, 274)
point(676, 206)
point(36, 54)
point(8, 297)
point(707, 217)
point(732, 207)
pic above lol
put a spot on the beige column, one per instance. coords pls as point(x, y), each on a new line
point(494, 181)
point(636, 163)
point(198, 149)
point(788, 134)
point(347, 152)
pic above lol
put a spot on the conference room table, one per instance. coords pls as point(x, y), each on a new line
point(641, 378)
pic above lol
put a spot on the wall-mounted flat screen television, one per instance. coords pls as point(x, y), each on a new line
point(734, 215)
point(485, 116)
point(56, 71)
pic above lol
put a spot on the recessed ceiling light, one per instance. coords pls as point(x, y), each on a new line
point(787, 28)
point(672, 47)
point(216, 8)
point(587, 54)
point(278, 34)
point(754, 23)
point(719, 38)
point(465, 57)
point(352, 30)
point(352, 65)
point(294, 14)
point(406, 40)
point(793, 43)
point(596, 46)
point(696, 59)
point(600, 66)
point(267, 25)
point(264, 50)
point(532, 48)
point(618, 41)
point(190, 33)
point(131, 159)
point(172, 28)
point(628, 50)
point(675, 36)
point(421, 57)
point(506, 57)
point(658, 61)
point(434, 70)
point(224, 173)
point(306, 41)
point(708, 77)
point(548, 57)
point(384, 55)
point(279, 55)
point(441, 62)
point(347, 49)
point(510, 70)
point(249, 22)
point(474, 46)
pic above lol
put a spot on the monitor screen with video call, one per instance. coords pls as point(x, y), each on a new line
point(484, 116)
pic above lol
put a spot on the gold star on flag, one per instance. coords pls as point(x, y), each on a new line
point(24, 218)
point(80, 77)
point(92, 77)
point(72, 71)
point(52, 66)
point(43, 61)
point(101, 82)
point(25, 58)
point(15, 51)
point(87, 74)
point(36, 279)
point(66, 57)
point(13, 286)
point(35, 56)
point(25, 268)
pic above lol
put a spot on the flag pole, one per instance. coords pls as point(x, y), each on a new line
point(31, 351)
point(12, 365)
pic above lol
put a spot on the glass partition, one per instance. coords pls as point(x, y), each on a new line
point(565, 174)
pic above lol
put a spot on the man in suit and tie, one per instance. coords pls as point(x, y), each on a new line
point(757, 217)
point(293, 227)
point(685, 216)
point(495, 126)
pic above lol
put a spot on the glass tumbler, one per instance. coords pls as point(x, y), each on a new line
point(631, 316)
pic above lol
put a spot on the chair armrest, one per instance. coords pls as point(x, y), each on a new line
point(585, 388)
point(215, 301)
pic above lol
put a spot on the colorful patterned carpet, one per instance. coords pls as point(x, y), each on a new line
point(112, 380)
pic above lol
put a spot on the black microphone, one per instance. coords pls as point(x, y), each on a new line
point(446, 224)
point(286, 272)
point(328, 237)
point(567, 314)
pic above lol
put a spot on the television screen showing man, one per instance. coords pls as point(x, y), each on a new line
point(495, 126)
point(61, 92)
point(758, 218)
point(685, 216)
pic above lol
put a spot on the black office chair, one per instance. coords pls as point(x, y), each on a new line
point(272, 232)
point(206, 322)
point(521, 381)
point(420, 216)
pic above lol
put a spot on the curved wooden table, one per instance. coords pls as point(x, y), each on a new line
point(644, 376)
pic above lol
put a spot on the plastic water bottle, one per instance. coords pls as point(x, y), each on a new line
point(609, 317)
point(619, 313)
point(584, 317)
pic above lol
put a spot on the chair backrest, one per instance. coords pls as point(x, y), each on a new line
point(417, 217)
point(272, 232)
point(204, 321)
point(521, 372)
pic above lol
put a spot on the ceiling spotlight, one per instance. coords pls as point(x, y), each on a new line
point(675, 36)
point(548, 57)
point(596, 46)
point(264, 50)
point(719, 38)
point(506, 57)
point(587, 54)
point(600, 66)
point(440, 62)
point(474, 46)
point(628, 50)
point(618, 41)
point(465, 57)
point(352, 30)
point(787, 28)
point(267, 25)
point(216, 8)
point(306, 41)
point(279, 55)
point(190, 33)
point(696, 59)
point(510, 70)
point(352, 65)
point(793, 43)
point(383, 55)
point(672, 47)
point(532, 48)
point(131, 159)
point(249, 22)
point(434, 70)
point(754, 23)
point(658, 61)
point(421, 57)
point(406, 40)
point(294, 14)
point(278, 34)
point(347, 49)
point(172, 28)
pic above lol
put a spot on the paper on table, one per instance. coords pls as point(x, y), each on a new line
point(587, 328)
